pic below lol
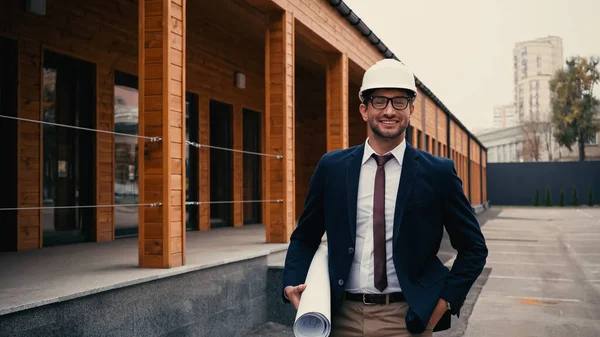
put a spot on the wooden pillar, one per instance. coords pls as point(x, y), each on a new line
point(238, 169)
point(438, 145)
point(423, 124)
point(105, 186)
point(29, 143)
point(337, 102)
point(484, 162)
point(469, 160)
point(279, 127)
point(162, 114)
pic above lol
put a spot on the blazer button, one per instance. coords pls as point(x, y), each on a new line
point(350, 250)
point(341, 282)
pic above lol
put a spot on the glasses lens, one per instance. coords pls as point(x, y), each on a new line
point(400, 102)
point(379, 102)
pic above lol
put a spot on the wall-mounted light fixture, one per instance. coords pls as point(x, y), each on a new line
point(240, 80)
point(36, 6)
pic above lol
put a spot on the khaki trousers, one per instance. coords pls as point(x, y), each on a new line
point(355, 319)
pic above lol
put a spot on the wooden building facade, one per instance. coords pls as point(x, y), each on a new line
point(276, 77)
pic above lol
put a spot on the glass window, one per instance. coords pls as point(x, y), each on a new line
point(191, 159)
point(251, 137)
point(126, 154)
point(9, 99)
point(68, 178)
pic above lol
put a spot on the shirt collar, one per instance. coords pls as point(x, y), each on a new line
point(398, 151)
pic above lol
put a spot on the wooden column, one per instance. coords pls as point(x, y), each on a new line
point(162, 102)
point(105, 186)
point(484, 176)
point(29, 143)
point(337, 102)
point(238, 169)
point(279, 127)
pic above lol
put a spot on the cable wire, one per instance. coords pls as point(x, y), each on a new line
point(196, 203)
point(154, 204)
point(152, 139)
point(233, 150)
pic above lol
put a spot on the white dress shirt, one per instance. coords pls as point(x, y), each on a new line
point(361, 279)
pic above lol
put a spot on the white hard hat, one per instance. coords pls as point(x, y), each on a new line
point(388, 73)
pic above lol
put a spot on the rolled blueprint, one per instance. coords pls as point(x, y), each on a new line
point(313, 318)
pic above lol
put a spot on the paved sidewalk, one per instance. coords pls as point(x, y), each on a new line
point(545, 274)
point(542, 277)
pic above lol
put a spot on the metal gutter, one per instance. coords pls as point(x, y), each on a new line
point(357, 23)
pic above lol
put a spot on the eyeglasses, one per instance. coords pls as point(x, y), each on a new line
point(398, 102)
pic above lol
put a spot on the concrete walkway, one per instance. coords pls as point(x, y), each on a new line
point(545, 274)
point(34, 278)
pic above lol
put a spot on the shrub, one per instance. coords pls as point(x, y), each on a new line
point(590, 197)
point(575, 199)
point(562, 196)
point(536, 200)
point(548, 197)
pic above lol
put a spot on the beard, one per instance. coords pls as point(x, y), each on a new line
point(389, 133)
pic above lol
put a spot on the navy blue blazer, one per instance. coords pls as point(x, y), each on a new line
point(430, 198)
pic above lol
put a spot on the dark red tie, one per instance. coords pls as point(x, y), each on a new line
point(379, 223)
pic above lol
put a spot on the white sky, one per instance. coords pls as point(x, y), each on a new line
point(462, 49)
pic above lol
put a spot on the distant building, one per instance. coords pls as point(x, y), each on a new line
point(505, 116)
point(535, 62)
point(504, 145)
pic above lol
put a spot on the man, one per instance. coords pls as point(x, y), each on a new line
point(384, 205)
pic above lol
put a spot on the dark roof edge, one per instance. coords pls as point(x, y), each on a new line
point(357, 23)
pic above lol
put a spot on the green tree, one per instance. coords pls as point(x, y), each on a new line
point(548, 197)
point(575, 198)
point(562, 196)
point(573, 104)
point(590, 196)
point(536, 200)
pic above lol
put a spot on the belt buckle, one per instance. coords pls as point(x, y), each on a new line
point(364, 296)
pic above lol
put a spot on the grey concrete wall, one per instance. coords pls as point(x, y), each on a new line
point(278, 311)
point(226, 301)
point(515, 183)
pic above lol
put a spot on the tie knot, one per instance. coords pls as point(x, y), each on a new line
point(381, 160)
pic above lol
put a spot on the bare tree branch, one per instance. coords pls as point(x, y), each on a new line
point(537, 132)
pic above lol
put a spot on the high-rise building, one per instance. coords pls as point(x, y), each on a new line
point(505, 116)
point(535, 62)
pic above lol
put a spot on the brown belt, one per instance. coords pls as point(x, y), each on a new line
point(375, 298)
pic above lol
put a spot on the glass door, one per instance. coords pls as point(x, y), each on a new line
point(68, 154)
point(8, 138)
point(191, 160)
point(221, 164)
point(251, 164)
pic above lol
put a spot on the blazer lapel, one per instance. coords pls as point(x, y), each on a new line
point(410, 168)
point(352, 176)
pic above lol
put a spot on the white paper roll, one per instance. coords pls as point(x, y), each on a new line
point(313, 318)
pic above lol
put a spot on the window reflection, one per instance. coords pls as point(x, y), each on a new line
point(126, 154)
point(191, 159)
point(68, 154)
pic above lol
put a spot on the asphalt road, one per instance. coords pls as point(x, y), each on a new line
point(545, 274)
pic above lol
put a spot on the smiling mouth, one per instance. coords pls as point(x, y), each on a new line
point(389, 122)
